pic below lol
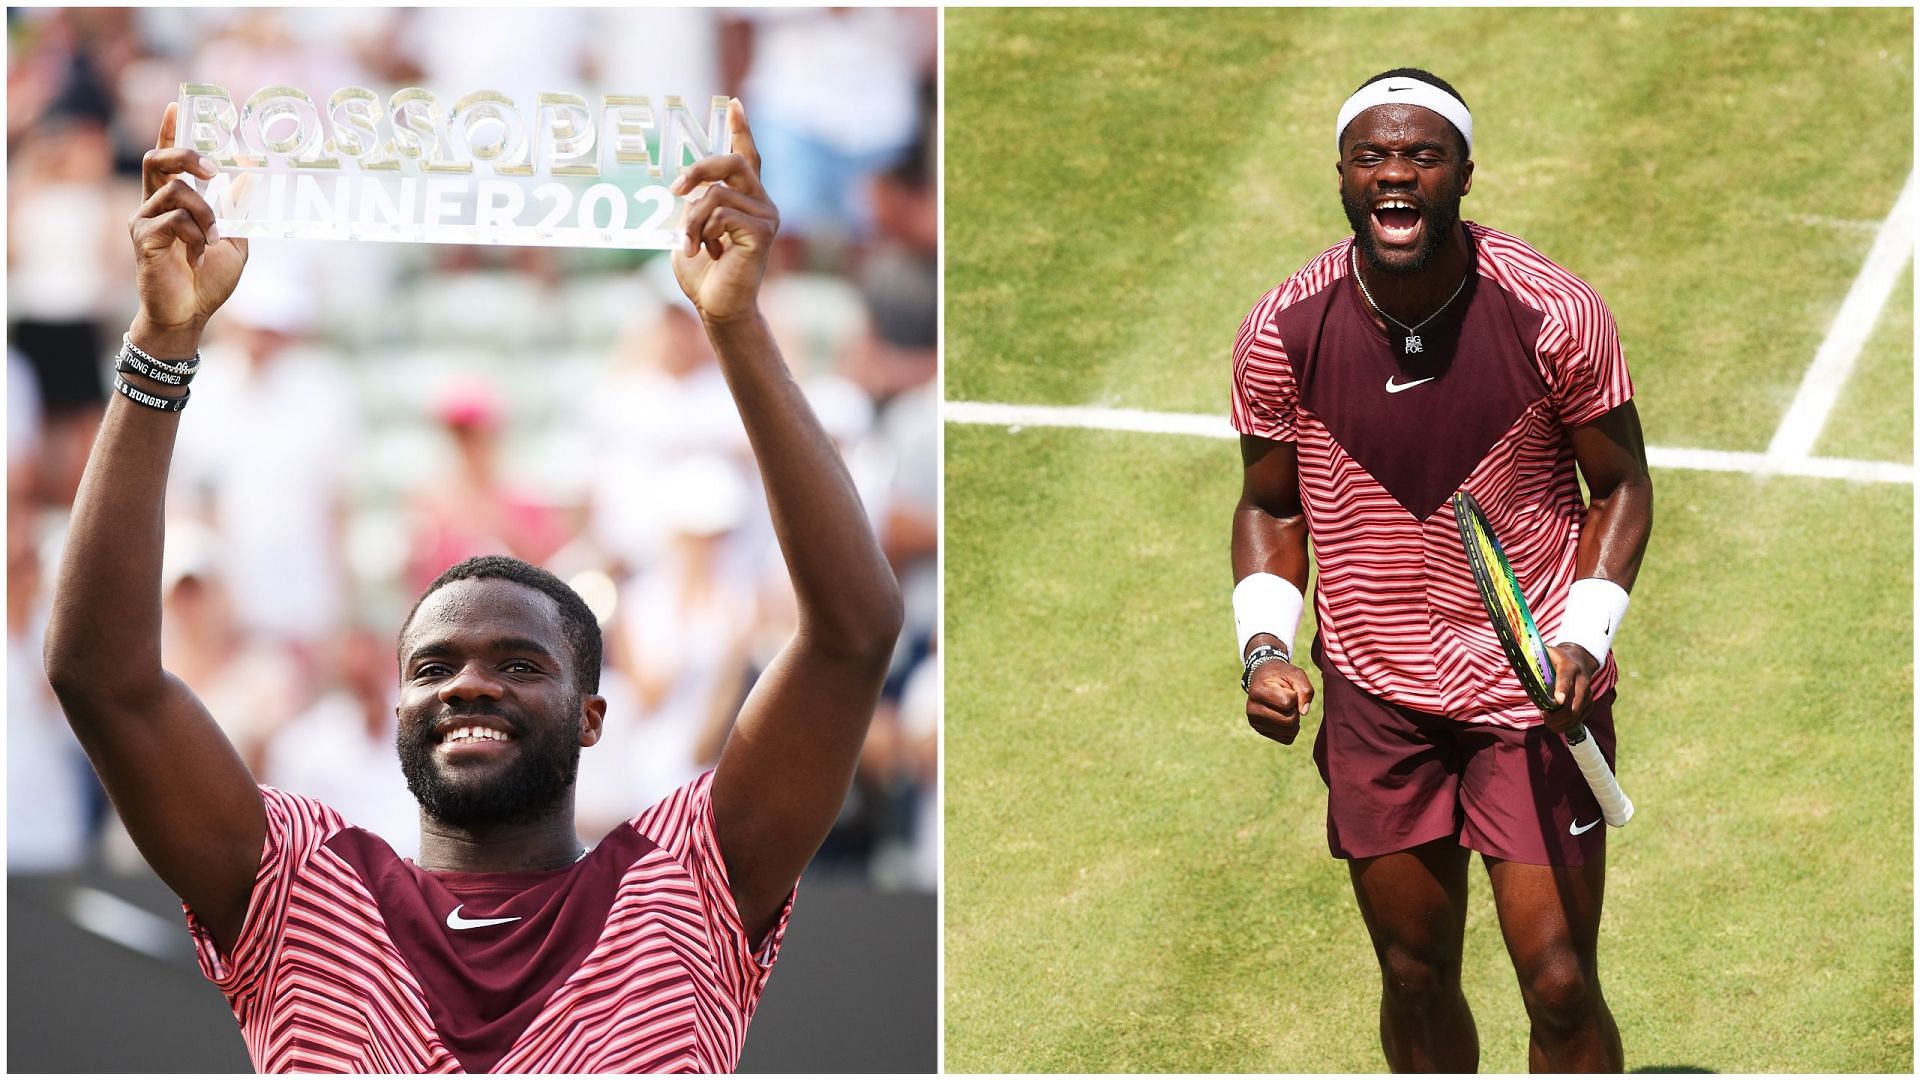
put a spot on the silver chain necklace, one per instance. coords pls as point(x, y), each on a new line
point(1410, 344)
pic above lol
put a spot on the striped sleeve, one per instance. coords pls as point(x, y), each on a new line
point(296, 828)
point(1265, 394)
point(1580, 347)
point(682, 824)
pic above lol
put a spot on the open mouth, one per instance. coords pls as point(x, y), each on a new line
point(475, 734)
point(1396, 221)
point(469, 734)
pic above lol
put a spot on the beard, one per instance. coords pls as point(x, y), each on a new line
point(526, 788)
point(1440, 217)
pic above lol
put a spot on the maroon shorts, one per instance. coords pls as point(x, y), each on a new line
point(1397, 778)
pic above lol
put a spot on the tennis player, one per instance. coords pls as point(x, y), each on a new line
point(507, 947)
point(1423, 355)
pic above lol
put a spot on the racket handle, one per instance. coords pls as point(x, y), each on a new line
point(1614, 804)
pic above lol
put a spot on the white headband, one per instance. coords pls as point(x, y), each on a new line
point(1406, 92)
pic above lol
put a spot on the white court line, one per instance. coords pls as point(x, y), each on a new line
point(1215, 426)
point(1820, 387)
point(122, 923)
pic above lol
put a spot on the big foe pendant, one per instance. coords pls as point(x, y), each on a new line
point(1409, 344)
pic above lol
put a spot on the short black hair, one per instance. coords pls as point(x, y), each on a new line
point(577, 621)
point(1430, 79)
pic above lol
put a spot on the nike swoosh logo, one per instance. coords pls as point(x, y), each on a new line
point(1576, 828)
point(455, 922)
point(1394, 387)
point(1397, 89)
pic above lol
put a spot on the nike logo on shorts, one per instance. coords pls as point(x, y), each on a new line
point(1394, 387)
point(455, 922)
point(1576, 828)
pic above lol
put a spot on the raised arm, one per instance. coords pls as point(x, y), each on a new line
point(186, 798)
point(1270, 537)
point(786, 768)
point(1613, 461)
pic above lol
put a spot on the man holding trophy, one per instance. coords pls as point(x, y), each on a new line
point(506, 947)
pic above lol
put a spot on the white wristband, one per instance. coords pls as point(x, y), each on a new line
point(1595, 607)
point(1266, 604)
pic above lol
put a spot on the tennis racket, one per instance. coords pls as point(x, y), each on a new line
point(1527, 651)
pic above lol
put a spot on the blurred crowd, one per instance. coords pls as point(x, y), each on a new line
point(370, 413)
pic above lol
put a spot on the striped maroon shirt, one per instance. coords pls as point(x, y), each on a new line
point(631, 960)
point(1383, 443)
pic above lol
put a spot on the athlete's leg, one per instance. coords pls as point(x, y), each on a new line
point(1415, 905)
point(1550, 916)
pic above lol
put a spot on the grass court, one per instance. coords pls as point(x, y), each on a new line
point(1135, 881)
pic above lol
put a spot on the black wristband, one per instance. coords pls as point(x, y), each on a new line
point(129, 364)
point(141, 397)
point(1260, 655)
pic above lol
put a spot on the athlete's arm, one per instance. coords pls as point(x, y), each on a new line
point(790, 759)
point(1613, 461)
point(1270, 536)
point(186, 798)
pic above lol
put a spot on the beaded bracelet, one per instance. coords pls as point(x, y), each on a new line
point(1260, 655)
point(184, 368)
